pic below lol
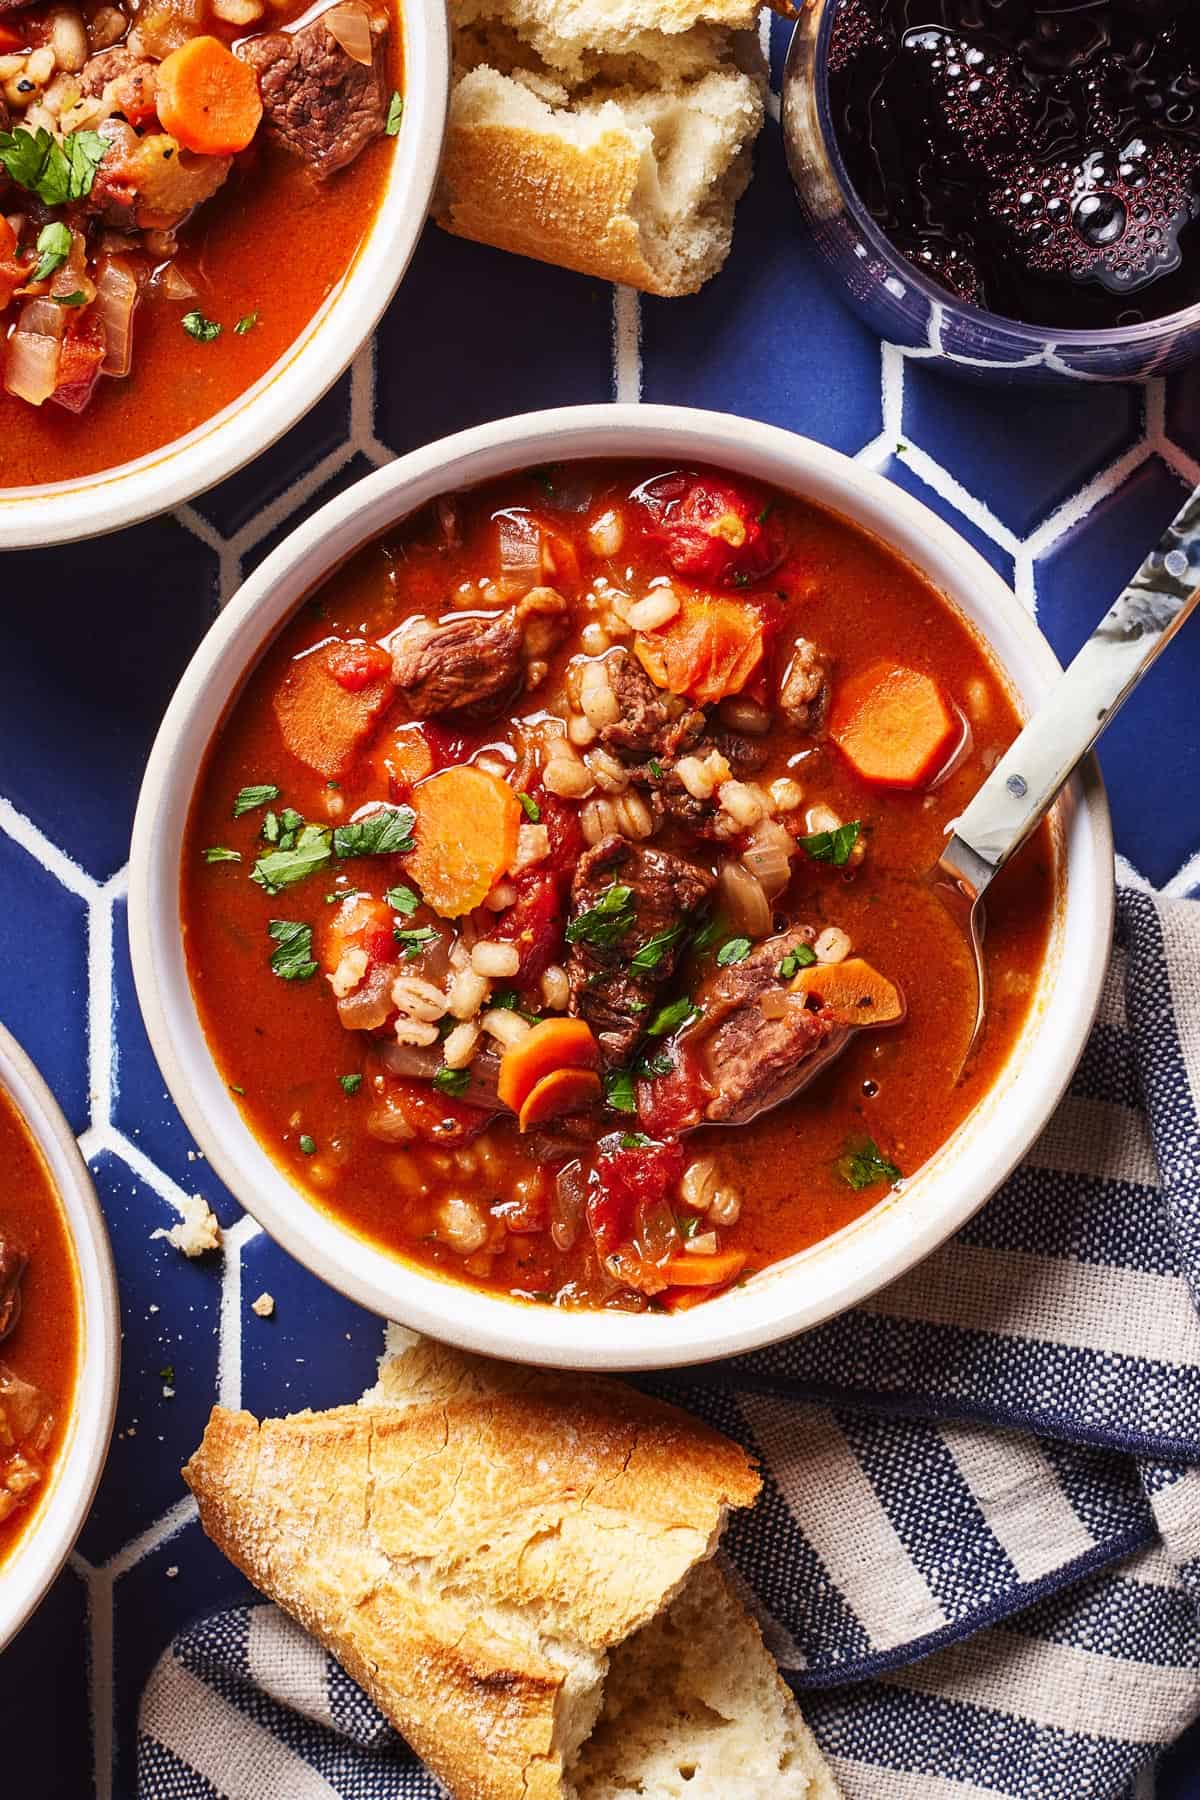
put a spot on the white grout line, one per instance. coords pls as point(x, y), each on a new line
point(949, 488)
point(164, 1528)
point(56, 862)
point(101, 1010)
point(891, 391)
point(229, 563)
point(1073, 511)
point(101, 1700)
point(109, 1138)
point(626, 344)
point(364, 385)
point(229, 1341)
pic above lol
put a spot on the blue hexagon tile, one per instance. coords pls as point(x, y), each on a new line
point(1062, 494)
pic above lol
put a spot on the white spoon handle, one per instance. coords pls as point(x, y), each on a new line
point(1138, 627)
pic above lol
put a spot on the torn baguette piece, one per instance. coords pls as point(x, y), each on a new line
point(476, 1544)
point(568, 35)
point(629, 185)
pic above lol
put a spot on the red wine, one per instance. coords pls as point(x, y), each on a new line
point(1039, 160)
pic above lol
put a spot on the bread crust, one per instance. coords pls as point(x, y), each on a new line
point(535, 195)
point(458, 1552)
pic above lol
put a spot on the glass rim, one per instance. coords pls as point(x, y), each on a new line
point(1037, 336)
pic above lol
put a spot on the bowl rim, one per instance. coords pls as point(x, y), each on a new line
point(46, 1542)
point(1145, 334)
point(88, 506)
point(846, 1268)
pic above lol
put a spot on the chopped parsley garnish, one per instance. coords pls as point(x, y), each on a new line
point(293, 960)
point(250, 797)
point(281, 868)
point(741, 579)
point(654, 949)
point(395, 113)
point(198, 327)
point(55, 172)
point(350, 1084)
point(634, 1140)
point(234, 1088)
point(218, 853)
point(452, 1081)
point(308, 1144)
point(510, 1001)
point(832, 846)
point(167, 1374)
point(402, 900)
point(762, 517)
point(78, 298)
point(619, 1091)
point(604, 924)
point(414, 939)
point(655, 768)
point(707, 935)
point(246, 323)
point(282, 829)
point(387, 832)
point(802, 957)
point(672, 1017)
point(688, 1223)
point(649, 1066)
point(54, 247)
point(733, 950)
point(862, 1164)
point(530, 808)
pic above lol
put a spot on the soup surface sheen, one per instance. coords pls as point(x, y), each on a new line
point(39, 1326)
point(554, 843)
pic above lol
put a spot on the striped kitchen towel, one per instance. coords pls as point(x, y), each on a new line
point(977, 1554)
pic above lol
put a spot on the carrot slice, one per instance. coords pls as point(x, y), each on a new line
point(892, 725)
point(562, 1091)
point(321, 723)
point(709, 649)
point(554, 1044)
point(466, 836)
point(854, 992)
point(716, 1270)
point(208, 98)
point(403, 757)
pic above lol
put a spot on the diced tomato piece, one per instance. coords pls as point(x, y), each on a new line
point(669, 1104)
point(564, 831)
point(361, 922)
point(355, 666)
point(79, 359)
point(449, 745)
point(436, 1117)
point(534, 923)
point(714, 532)
point(11, 39)
point(632, 1180)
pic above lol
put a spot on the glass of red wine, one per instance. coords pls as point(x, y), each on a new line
point(1010, 186)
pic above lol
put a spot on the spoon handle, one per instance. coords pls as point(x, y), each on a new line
point(1023, 785)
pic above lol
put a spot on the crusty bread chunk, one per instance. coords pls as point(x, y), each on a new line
point(475, 1542)
point(694, 1709)
point(627, 185)
point(609, 136)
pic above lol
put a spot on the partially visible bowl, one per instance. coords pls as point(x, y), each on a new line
point(903, 305)
point(792, 1295)
point(47, 1538)
point(60, 512)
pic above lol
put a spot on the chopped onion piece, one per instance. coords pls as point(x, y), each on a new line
point(412, 1059)
point(173, 284)
point(520, 547)
point(116, 298)
point(351, 26)
point(31, 367)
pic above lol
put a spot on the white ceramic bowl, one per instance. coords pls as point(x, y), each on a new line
point(807, 1288)
point(47, 1539)
point(61, 511)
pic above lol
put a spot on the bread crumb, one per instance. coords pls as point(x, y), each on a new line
point(197, 1231)
point(173, 1571)
point(264, 1306)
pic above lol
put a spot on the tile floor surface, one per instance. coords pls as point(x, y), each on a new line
point(1065, 511)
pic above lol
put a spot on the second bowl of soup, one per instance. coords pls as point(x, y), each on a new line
point(531, 921)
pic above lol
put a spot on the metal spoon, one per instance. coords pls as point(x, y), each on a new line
point(1026, 781)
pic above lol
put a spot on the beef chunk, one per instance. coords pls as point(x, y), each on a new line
point(613, 997)
point(703, 818)
point(470, 663)
point(135, 79)
point(317, 101)
point(804, 690)
point(12, 1267)
point(750, 1061)
point(649, 725)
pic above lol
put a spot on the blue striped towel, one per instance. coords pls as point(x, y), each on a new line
point(977, 1553)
